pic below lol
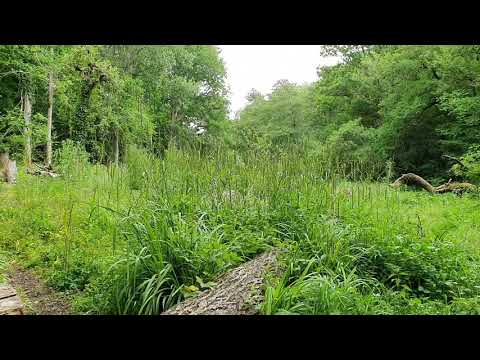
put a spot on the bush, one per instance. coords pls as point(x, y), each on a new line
point(471, 160)
point(339, 269)
point(165, 256)
point(435, 269)
point(351, 142)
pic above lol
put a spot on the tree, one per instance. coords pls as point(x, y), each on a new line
point(27, 115)
point(48, 162)
point(106, 97)
point(253, 95)
point(283, 117)
point(22, 64)
point(405, 104)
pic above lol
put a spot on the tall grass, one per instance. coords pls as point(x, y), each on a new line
point(140, 237)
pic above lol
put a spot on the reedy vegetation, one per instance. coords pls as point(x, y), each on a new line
point(138, 238)
point(305, 169)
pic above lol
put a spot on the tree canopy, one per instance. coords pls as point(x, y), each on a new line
point(112, 95)
point(404, 104)
point(400, 105)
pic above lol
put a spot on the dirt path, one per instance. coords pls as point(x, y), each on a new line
point(236, 293)
point(41, 299)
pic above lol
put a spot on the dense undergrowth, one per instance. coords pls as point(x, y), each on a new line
point(138, 238)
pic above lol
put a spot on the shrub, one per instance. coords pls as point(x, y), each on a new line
point(471, 160)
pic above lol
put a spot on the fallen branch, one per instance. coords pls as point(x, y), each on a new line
point(41, 171)
point(413, 179)
point(454, 159)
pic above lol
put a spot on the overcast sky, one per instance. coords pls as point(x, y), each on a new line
point(260, 66)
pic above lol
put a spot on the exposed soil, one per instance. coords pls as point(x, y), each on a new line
point(41, 299)
point(236, 293)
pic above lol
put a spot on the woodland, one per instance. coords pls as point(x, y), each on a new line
point(127, 188)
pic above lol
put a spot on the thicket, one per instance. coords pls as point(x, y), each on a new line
point(106, 98)
point(407, 105)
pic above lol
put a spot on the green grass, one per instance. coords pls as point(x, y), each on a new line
point(3, 266)
point(404, 253)
point(140, 238)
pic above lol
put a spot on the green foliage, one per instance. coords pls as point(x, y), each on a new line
point(139, 238)
point(3, 265)
point(72, 160)
point(104, 95)
point(379, 267)
point(139, 165)
point(471, 165)
point(280, 119)
point(11, 132)
point(195, 194)
point(409, 104)
point(350, 142)
point(434, 268)
point(79, 273)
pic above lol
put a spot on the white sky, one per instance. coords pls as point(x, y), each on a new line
point(260, 66)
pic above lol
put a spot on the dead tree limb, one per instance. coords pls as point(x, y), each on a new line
point(41, 171)
point(455, 187)
point(413, 179)
point(454, 159)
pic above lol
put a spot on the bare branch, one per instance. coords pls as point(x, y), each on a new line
point(455, 160)
point(413, 179)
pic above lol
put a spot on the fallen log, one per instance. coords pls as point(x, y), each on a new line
point(10, 303)
point(236, 292)
point(413, 179)
point(455, 187)
point(41, 171)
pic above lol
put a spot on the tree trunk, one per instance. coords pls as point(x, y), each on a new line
point(4, 160)
point(237, 292)
point(117, 149)
point(8, 168)
point(48, 162)
point(27, 115)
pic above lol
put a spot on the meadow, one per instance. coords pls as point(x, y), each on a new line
point(140, 237)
